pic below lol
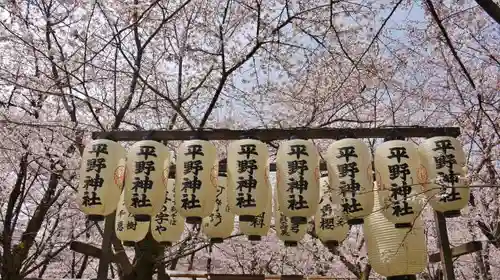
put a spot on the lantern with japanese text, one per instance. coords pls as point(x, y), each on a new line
point(246, 171)
point(297, 173)
point(286, 230)
point(329, 223)
point(261, 223)
point(397, 166)
point(99, 186)
point(444, 183)
point(127, 228)
point(144, 188)
point(220, 224)
point(349, 163)
point(196, 179)
point(394, 252)
point(167, 226)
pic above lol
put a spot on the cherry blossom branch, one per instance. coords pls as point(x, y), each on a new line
point(435, 16)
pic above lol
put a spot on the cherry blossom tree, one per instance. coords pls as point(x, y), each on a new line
point(70, 67)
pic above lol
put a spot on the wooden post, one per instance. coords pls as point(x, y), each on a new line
point(106, 252)
point(444, 246)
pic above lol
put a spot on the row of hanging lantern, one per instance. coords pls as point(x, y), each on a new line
point(401, 168)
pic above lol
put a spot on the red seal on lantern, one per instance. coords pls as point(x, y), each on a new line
point(164, 177)
point(119, 176)
point(422, 175)
point(317, 174)
point(213, 176)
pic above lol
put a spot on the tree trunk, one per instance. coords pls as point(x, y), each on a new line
point(147, 251)
point(485, 254)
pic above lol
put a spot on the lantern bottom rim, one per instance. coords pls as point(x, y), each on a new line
point(142, 218)
point(452, 214)
point(291, 243)
point(356, 221)
point(193, 220)
point(402, 277)
point(254, 237)
point(128, 243)
point(216, 240)
point(95, 218)
point(298, 220)
point(403, 225)
point(331, 244)
point(246, 218)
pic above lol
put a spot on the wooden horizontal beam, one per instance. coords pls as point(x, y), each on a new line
point(278, 134)
point(464, 249)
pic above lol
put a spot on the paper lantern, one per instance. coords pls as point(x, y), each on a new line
point(349, 163)
point(127, 228)
point(99, 186)
point(394, 252)
point(297, 173)
point(444, 182)
point(220, 224)
point(119, 179)
point(167, 226)
point(286, 230)
point(397, 166)
point(246, 171)
point(196, 179)
point(329, 223)
point(144, 188)
point(261, 223)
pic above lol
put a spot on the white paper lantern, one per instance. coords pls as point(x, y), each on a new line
point(196, 179)
point(246, 171)
point(99, 186)
point(444, 181)
point(144, 188)
point(329, 223)
point(220, 224)
point(297, 172)
point(286, 230)
point(167, 226)
point(394, 251)
point(127, 228)
point(349, 163)
point(397, 166)
point(261, 223)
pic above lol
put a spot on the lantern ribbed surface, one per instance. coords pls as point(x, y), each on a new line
point(394, 251)
point(260, 225)
point(167, 226)
point(444, 180)
point(397, 165)
point(100, 178)
point(349, 163)
point(297, 179)
point(127, 228)
point(220, 223)
point(246, 177)
point(144, 188)
point(329, 223)
point(196, 174)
